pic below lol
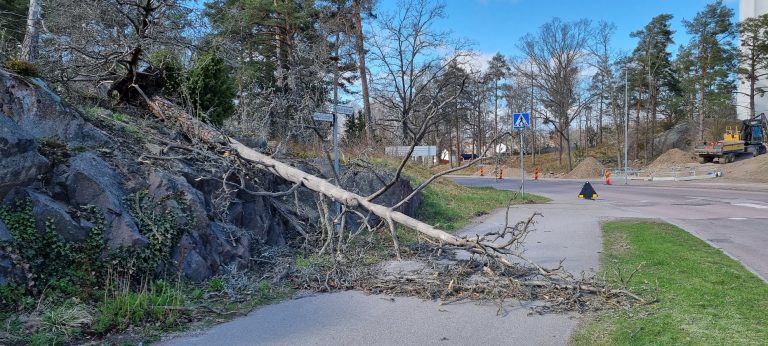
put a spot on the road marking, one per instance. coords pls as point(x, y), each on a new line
point(751, 205)
point(737, 218)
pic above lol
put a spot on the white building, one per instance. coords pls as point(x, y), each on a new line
point(748, 9)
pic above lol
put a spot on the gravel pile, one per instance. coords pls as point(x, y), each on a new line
point(673, 158)
point(586, 169)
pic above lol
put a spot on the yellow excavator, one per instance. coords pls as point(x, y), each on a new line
point(749, 139)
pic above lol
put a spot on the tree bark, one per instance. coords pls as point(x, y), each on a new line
point(496, 109)
point(638, 125)
point(702, 100)
point(30, 47)
point(360, 48)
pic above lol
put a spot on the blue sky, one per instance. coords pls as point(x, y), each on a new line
point(497, 25)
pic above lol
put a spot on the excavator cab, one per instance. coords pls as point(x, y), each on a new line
point(757, 134)
point(754, 133)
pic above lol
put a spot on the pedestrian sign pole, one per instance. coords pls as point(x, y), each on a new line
point(336, 110)
point(521, 121)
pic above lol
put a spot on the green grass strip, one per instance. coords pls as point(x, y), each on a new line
point(704, 296)
point(449, 206)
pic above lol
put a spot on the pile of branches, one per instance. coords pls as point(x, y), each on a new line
point(432, 271)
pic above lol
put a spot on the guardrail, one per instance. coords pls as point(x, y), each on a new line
point(675, 173)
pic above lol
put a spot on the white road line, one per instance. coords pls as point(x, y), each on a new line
point(737, 218)
point(751, 205)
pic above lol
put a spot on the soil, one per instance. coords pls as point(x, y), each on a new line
point(748, 169)
point(673, 158)
point(588, 168)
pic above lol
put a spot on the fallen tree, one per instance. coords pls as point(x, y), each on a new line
point(483, 245)
point(496, 249)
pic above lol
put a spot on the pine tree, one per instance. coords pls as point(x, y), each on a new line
point(498, 69)
point(653, 57)
point(350, 130)
point(753, 56)
point(713, 53)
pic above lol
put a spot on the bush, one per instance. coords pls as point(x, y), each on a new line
point(211, 89)
point(21, 67)
point(170, 67)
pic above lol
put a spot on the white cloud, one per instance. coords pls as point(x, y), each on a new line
point(476, 61)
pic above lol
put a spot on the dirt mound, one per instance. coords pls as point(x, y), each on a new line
point(751, 169)
point(671, 159)
point(589, 168)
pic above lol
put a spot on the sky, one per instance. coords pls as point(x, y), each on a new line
point(497, 25)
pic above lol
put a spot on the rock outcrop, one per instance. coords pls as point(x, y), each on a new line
point(21, 163)
point(38, 111)
point(102, 167)
point(89, 180)
point(45, 209)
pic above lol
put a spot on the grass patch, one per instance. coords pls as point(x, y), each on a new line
point(449, 206)
point(704, 296)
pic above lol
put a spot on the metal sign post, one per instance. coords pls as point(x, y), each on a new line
point(522, 164)
point(521, 121)
point(333, 118)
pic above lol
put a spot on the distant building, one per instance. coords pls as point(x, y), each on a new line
point(749, 9)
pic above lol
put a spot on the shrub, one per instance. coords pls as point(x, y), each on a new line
point(21, 67)
point(169, 65)
point(211, 89)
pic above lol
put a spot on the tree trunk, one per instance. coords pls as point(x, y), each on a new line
point(638, 125)
point(496, 110)
point(30, 46)
point(702, 100)
point(169, 112)
point(360, 48)
point(459, 140)
point(533, 138)
point(600, 121)
point(568, 145)
point(560, 150)
point(654, 100)
point(752, 80)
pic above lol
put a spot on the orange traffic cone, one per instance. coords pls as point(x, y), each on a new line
point(607, 177)
point(482, 174)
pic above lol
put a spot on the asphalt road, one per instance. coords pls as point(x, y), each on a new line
point(731, 217)
point(569, 231)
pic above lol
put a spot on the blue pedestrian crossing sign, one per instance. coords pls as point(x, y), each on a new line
point(521, 120)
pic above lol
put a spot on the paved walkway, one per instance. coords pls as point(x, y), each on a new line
point(353, 318)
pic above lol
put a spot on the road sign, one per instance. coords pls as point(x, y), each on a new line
point(340, 109)
point(344, 109)
point(521, 120)
point(320, 116)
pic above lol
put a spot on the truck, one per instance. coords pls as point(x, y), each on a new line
point(749, 139)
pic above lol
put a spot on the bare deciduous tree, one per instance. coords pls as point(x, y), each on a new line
point(558, 52)
point(411, 55)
